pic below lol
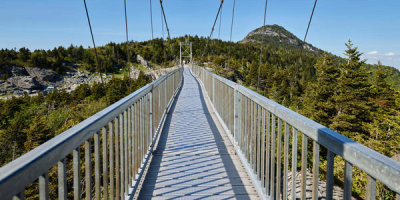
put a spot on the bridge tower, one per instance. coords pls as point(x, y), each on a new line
point(185, 51)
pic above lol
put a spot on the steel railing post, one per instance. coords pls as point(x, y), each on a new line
point(237, 109)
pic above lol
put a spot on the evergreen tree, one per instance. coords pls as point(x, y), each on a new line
point(352, 95)
point(320, 104)
point(385, 124)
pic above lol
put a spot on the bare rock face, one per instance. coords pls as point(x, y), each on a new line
point(25, 82)
point(6, 87)
point(144, 62)
point(155, 74)
point(18, 71)
point(44, 76)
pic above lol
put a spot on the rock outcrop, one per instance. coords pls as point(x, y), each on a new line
point(143, 62)
point(25, 82)
point(45, 76)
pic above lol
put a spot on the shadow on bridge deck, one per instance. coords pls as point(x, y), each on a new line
point(192, 159)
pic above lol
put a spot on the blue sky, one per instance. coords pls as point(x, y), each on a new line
point(373, 25)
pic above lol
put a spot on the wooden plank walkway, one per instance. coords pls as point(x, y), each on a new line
point(193, 160)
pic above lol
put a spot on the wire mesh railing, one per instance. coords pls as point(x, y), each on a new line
point(270, 138)
point(102, 157)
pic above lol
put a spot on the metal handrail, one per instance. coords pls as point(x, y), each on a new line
point(135, 119)
point(255, 116)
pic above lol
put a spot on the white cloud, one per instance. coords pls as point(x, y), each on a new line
point(389, 54)
point(372, 52)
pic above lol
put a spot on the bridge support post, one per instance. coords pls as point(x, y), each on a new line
point(237, 116)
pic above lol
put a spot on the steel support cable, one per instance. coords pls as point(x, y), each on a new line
point(309, 22)
point(230, 36)
point(305, 36)
point(233, 15)
point(162, 22)
point(219, 27)
point(127, 48)
point(165, 19)
point(261, 48)
point(216, 18)
point(94, 46)
point(166, 26)
point(151, 20)
point(215, 21)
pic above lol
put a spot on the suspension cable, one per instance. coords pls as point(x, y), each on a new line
point(304, 40)
point(165, 20)
point(127, 48)
point(212, 29)
point(233, 15)
point(261, 48)
point(309, 22)
point(94, 45)
point(151, 21)
point(219, 28)
point(215, 21)
point(162, 23)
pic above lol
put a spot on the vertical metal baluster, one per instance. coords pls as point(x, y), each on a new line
point(44, 186)
point(111, 147)
point(137, 134)
point(245, 130)
point(77, 173)
point(141, 130)
point(116, 144)
point(251, 133)
point(278, 160)
point(371, 188)
point(303, 166)
point(258, 141)
point(294, 163)
point(329, 175)
point(286, 162)
point(97, 165)
point(268, 154)
point(126, 159)
point(254, 146)
point(62, 181)
point(129, 148)
point(88, 169)
point(263, 147)
point(121, 155)
point(348, 180)
point(315, 170)
point(133, 143)
point(151, 116)
point(248, 138)
point(105, 163)
point(273, 139)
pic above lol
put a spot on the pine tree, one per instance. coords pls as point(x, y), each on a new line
point(320, 104)
point(352, 95)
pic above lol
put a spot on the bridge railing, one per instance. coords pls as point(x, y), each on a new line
point(122, 136)
point(266, 136)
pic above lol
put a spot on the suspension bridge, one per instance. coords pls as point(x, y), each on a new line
point(192, 134)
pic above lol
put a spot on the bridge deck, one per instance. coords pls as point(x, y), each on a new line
point(193, 160)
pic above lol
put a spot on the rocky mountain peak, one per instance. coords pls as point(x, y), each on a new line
point(276, 35)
